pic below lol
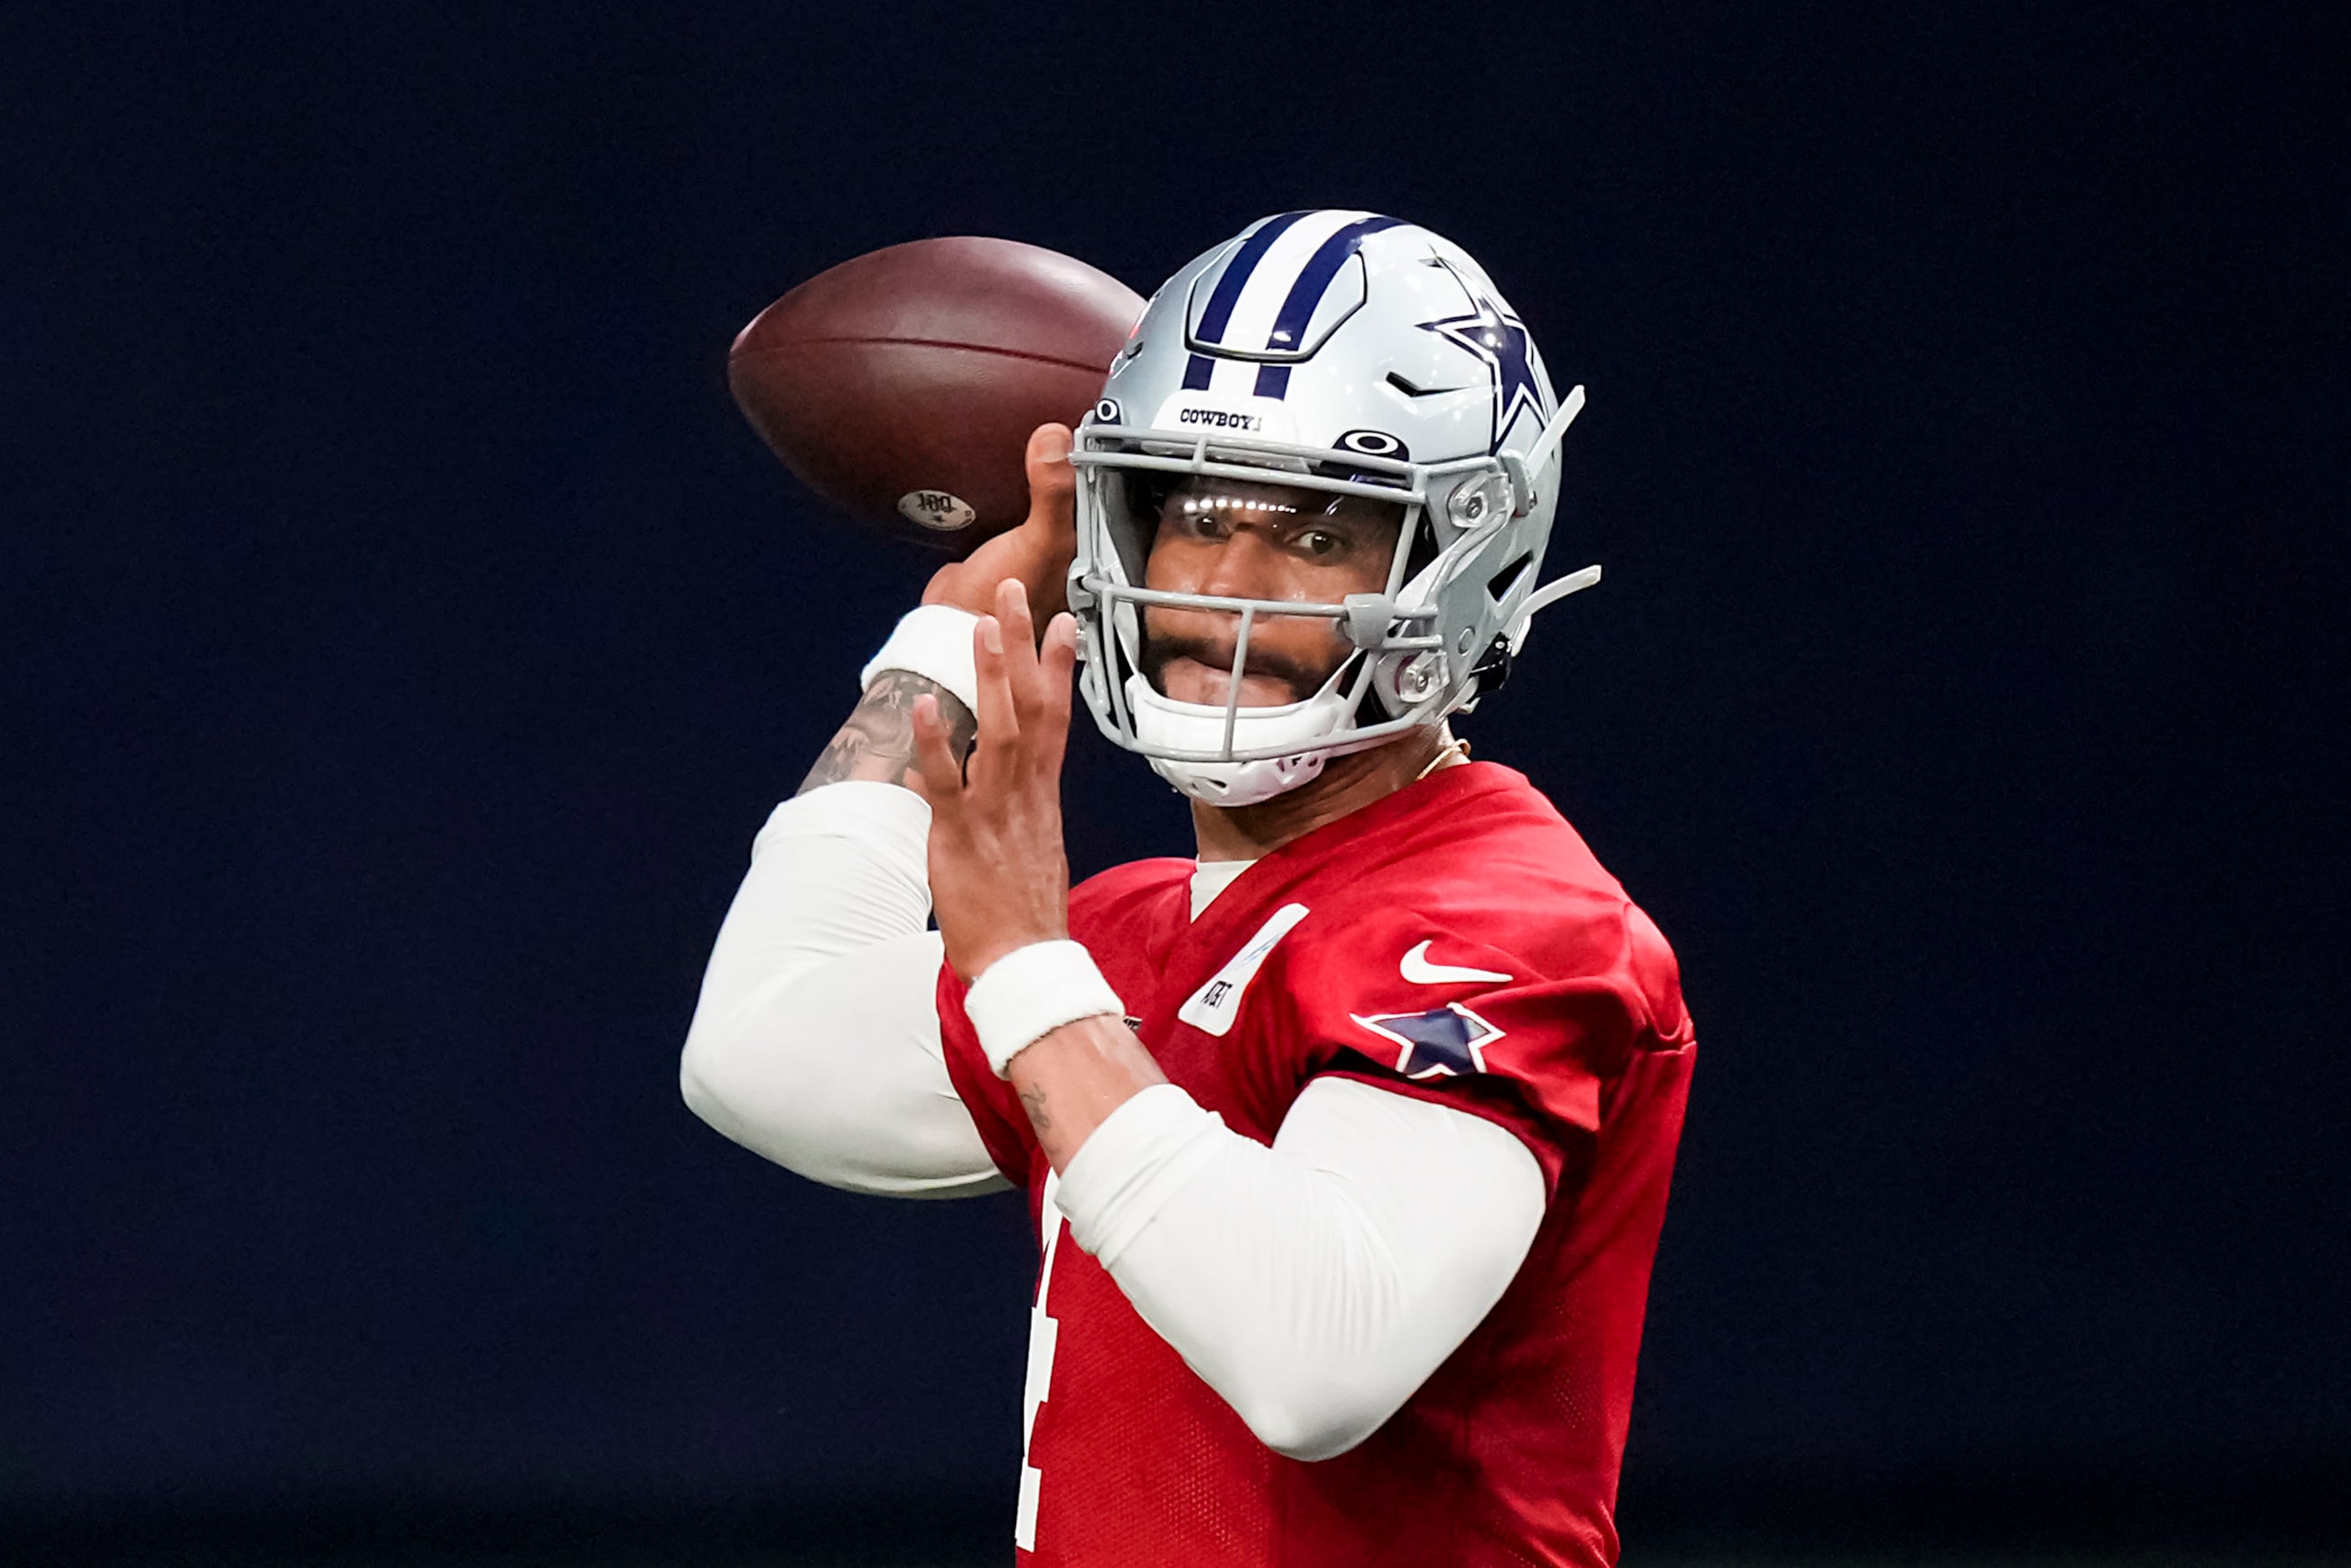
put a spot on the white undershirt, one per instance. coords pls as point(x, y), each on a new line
point(1314, 1284)
point(1210, 878)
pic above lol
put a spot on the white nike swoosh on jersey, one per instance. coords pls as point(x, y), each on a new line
point(1421, 972)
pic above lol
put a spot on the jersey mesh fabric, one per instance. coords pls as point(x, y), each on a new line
point(1509, 1452)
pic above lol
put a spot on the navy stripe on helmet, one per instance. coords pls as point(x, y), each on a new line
point(1218, 312)
point(1197, 370)
point(1272, 381)
point(1315, 276)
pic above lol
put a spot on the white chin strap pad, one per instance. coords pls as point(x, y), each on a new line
point(1167, 725)
point(1239, 783)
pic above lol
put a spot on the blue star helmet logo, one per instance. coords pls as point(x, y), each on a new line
point(1499, 338)
point(1443, 1042)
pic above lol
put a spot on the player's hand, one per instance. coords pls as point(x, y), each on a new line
point(1037, 553)
point(999, 876)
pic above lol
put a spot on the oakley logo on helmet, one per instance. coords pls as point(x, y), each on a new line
point(1374, 443)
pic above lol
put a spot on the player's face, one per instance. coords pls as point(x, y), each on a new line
point(1246, 540)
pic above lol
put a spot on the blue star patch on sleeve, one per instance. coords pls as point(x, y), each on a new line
point(1443, 1042)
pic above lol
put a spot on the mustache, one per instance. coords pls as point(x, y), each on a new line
point(1162, 649)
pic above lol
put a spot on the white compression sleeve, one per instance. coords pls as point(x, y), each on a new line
point(816, 1041)
point(1316, 1284)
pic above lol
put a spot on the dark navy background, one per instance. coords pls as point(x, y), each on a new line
point(405, 637)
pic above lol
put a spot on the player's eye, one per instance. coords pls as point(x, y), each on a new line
point(1321, 543)
point(1198, 518)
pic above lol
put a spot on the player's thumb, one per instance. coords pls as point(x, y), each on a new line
point(1052, 484)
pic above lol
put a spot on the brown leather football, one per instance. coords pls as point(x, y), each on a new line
point(903, 385)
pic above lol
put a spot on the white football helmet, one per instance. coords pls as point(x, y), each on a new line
point(1350, 353)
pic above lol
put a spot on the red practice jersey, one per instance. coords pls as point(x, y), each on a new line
point(1342, 953)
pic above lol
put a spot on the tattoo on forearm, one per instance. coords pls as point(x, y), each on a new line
point(1033, 1102)
point(878, 741)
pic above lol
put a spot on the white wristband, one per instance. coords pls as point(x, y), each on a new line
point(933, 640)
point(1032, 991)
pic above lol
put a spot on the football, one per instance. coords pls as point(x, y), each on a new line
point(902, 386)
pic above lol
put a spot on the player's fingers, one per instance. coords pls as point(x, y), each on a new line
point(1056, 669)
point(1057, 662)
point(1020, 649)
point(1039, 551)
point(1020, 624)
point(1000, 725)
point(934, 759)
point(1052, 484)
